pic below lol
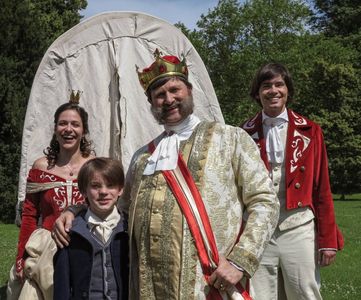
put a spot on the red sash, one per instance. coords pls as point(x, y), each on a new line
point(197, 220)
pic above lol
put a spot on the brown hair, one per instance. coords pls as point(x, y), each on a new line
point(267, 72)
point(52, 151)
point(110, 169)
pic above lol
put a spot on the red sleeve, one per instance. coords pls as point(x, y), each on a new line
point(29, 222)
point(328, 234)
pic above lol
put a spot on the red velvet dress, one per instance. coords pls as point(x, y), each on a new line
point(47, 196)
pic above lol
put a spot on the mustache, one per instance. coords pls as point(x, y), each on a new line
point(184, 106)
point(161, 111)
point(167, 107)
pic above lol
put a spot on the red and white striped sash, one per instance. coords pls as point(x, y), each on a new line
point(190, 201)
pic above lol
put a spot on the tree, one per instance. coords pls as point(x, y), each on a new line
point(339, 17)
point(219, 34)
point(27, 28)
point(332, 98)
point(336, 87)
point(235, 39)
point(239, 38)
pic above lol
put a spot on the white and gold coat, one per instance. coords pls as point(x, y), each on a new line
point(232, 180)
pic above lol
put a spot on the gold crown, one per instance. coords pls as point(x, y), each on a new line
point(75, 96)
point(162, 67)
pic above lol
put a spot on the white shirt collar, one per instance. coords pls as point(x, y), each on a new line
point(102, 228)
point(283, 115)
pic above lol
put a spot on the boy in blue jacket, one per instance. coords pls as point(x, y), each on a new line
point(95, 264)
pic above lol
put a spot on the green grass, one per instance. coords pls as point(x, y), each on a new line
point(9, 237)
point(340, 281)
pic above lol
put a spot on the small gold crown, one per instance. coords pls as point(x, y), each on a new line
point(75, 96)
point(162, 67)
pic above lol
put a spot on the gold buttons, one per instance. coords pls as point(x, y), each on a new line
point(299, 204)
point(297, 185)
point(155, 211)
point(302, 168)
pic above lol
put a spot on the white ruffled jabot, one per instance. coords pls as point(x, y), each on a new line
point(274, 146)
point(165, 155)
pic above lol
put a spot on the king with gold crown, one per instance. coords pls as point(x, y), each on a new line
point(162, 67)
point(186, 194)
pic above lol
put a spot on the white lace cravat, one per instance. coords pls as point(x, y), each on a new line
point(274, 145)
point(165, 155)
point(102, 229)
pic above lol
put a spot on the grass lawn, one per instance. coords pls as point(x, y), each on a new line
point(9, 237)
point(341, 281)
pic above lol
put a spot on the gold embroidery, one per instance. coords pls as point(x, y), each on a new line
point(229, 173)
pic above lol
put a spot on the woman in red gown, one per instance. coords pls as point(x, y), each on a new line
point(51, 187)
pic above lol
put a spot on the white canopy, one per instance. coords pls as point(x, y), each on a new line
point(98, 57)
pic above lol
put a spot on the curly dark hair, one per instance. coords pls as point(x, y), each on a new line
point(52, 151)
point(267, 72)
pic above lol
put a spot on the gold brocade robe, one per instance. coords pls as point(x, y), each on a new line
point(227, 169)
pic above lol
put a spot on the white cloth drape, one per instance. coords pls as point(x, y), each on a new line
point(98, 57)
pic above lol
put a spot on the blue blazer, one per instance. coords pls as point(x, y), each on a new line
point(72, 264)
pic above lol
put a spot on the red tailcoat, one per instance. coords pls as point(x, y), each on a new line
point(306, 171)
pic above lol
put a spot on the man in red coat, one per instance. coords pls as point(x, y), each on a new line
point(293, 149)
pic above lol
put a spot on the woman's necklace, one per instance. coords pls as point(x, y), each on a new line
point(71, 173)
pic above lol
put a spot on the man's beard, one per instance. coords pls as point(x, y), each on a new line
point(185, 108)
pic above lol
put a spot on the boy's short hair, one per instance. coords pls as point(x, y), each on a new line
point(111, 170)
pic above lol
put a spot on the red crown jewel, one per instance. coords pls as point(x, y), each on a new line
point(162, 66)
